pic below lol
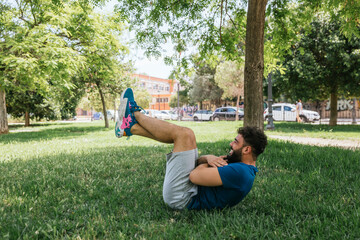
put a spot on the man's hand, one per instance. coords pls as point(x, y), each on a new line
point(212, 160)
point(215, 161)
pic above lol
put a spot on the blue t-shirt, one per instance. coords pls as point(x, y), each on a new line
point(237, 179)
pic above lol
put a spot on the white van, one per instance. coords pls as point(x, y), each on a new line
point(287, 112)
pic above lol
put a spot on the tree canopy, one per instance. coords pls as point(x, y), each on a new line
point(34, 51)
point(52, 50)
point(323, 63)
point(229, 77)
point(219, 26)
point(204, 87)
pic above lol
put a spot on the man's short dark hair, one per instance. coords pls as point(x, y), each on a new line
point(255, 138)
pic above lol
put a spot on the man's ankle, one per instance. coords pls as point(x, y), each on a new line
point(137, 114)
point(134, 129)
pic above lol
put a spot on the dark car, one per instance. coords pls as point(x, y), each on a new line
point(227, 113)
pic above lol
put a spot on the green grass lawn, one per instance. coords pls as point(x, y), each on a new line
point(340, 132)
point(77, 181)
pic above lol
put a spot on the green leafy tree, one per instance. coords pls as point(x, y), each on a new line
point(204, 87)
point(143, 97)
point(68, 100)
point(58, 102)
point(323, 63)
point(230, 78)
point(183, 99)
point(213, 27)
point(47, 43)
point(33, 105)
point(204, 24)
point(99, 42)
point(34, 51)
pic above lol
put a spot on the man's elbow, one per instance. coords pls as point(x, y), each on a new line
point(192, 177)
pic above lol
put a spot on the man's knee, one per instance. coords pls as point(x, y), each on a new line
point(185, 139)
point(188, 134)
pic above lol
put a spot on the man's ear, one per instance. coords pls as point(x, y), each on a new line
point(247, 150)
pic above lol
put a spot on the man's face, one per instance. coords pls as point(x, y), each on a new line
point(236, 147)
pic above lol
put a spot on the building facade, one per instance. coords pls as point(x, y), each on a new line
point(160, 90)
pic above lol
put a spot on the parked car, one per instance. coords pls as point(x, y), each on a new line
point(158, 114)
point(227, 113)
point(98, 116)
point(173, 114)
point(287, 112)
point(164, 115)
point(203, 115)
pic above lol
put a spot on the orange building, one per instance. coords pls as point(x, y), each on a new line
point(160, 89)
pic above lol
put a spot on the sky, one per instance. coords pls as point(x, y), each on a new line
point(153, 67)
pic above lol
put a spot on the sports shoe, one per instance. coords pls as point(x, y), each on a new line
point(126, 117)
point(133, 105)
point(119, 132)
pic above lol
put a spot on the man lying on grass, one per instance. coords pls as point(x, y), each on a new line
point(191, 182)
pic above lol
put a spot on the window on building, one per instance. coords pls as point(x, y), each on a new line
point(167, 89)
point(156, 86)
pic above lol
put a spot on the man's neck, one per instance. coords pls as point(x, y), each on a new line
point(249, 161)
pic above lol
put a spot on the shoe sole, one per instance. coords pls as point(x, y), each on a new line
point(121, 115)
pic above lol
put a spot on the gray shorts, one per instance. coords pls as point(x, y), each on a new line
point(178, 190)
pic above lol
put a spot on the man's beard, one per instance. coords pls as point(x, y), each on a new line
point(236, 156)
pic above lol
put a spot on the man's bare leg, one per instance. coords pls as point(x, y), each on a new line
point(140, 131)
point(183, 138)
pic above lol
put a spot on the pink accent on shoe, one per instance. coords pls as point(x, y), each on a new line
point(126, 122)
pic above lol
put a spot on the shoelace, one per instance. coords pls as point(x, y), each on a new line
point(135, 106)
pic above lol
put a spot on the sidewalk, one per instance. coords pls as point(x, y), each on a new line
point(340, 121)
point(322, 142)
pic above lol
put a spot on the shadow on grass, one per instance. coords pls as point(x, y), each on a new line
point(299, 127)
point(41, 124)
point(116, 193)
point(83, 193)
point(48, 131)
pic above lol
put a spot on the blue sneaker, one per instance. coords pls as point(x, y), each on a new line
point(126, 118)
point(133, 105)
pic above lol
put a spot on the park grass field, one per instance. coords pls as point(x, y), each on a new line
point(340, 132)
point(77, 181)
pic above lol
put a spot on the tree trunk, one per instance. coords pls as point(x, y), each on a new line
point(27, 119)
point(333, 109)
point(104, 106)
point(4, 128)
point(237, 107)
point(254, 64)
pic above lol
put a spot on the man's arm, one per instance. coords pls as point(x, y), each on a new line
point(206, 172)
point(204, 175)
